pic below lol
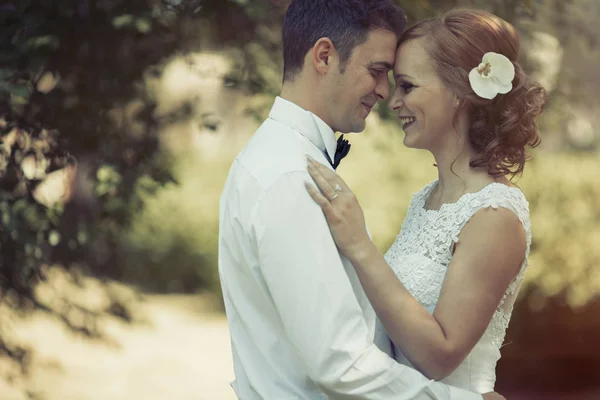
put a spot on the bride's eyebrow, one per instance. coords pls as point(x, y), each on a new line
point(402, 76)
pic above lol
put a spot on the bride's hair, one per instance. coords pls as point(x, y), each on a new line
point(501, 128)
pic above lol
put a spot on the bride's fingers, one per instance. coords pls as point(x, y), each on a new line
point(322, 182)
point(319, 199)
point(331, 177)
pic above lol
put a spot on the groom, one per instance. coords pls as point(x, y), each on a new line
point(301, 325)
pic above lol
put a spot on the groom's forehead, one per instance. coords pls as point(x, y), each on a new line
point(380, 47)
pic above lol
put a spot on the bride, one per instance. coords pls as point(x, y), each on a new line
point(445, 290)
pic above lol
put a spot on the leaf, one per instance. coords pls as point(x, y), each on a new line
point(47, 82)
point(16, 90)
point(105, 173)
point(19, 206)
point(82, 237)
point(143, 25)
point(53, 238)
point(42, 41)
point(123, 20)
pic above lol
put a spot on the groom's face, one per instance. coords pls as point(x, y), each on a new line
point(363, 82)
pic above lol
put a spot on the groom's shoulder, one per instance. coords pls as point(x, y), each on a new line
point(274, 150)
point(273, 135)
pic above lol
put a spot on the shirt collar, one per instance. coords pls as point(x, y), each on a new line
point(306, 123)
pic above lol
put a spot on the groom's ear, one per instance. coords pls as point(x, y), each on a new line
point(322, 55)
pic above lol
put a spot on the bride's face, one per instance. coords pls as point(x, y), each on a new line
point(424, 106)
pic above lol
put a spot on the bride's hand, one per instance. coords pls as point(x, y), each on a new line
point(493, 396)
point(341, 208)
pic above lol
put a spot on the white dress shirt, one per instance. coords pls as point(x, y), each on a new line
point(301, 325)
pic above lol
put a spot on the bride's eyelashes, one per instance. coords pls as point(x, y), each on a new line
point(406, 86)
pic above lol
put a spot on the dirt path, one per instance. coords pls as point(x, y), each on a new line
point(184, 354)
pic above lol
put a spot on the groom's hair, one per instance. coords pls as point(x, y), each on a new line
point(345, 22)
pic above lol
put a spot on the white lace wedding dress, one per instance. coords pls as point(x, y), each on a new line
point(422, 252)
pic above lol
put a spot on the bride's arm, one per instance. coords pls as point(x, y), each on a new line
point(489, 253)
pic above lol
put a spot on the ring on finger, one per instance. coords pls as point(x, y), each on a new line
point(333, 197)
point(337, 187)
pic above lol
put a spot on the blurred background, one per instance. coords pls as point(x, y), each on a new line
point(119, 120)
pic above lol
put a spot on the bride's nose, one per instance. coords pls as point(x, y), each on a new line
point(395, 102)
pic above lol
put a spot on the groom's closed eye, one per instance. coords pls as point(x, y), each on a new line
point(377, 72)
point(379, 68)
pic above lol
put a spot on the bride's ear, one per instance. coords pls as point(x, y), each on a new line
point(456, 101)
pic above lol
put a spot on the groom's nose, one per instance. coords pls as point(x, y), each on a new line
point(382, 90)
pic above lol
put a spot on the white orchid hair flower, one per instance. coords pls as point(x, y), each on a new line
point(493, 75)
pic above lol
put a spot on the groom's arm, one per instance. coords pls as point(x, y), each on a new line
point(319, 310)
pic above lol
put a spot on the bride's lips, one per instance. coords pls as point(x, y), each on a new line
point(406, 121)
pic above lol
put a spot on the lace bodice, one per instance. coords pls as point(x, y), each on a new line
point(421, 254)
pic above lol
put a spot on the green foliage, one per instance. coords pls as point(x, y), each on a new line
point(74, 111)
point(563, 194)
point(173, 241)
point(79, 150)
point(67, 66)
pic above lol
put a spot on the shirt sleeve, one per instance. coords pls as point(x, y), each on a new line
point(318, 308)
